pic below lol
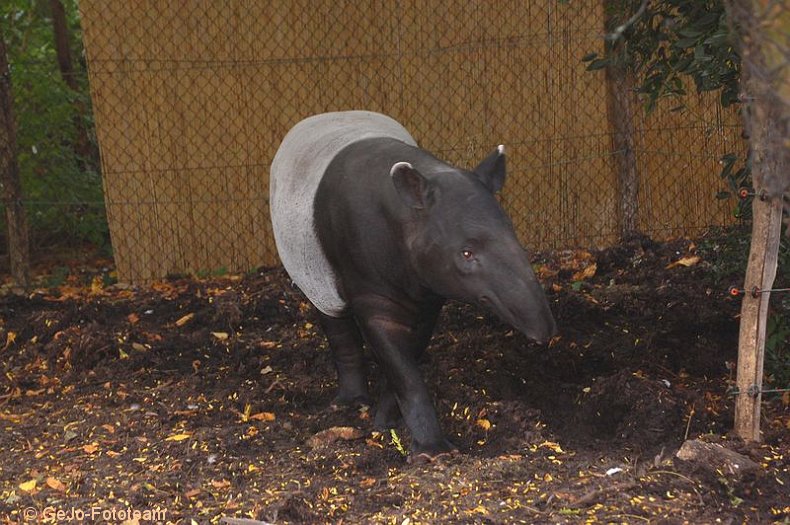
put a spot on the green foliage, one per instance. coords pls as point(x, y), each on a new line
point(61, 187)
point(671, 41)
point(666, 44)
point(727, 253)
point(777, 347)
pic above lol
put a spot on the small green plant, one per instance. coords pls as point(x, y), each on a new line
point(58, 277)
point(396, 442)
point(735, 501)
point(777, 347)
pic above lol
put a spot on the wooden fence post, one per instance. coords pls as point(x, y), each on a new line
point(760, 274)
point(16, 220)
point(764, 46)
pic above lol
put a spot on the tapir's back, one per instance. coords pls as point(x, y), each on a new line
point(296, 172)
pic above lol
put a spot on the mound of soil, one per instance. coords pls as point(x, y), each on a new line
point(211, 398)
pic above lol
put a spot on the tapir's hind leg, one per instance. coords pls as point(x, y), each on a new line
point(345, 342)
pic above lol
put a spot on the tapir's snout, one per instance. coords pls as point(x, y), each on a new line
point(517, 297)
point(529, 314)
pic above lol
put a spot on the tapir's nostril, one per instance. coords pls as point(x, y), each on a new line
point(484, 299)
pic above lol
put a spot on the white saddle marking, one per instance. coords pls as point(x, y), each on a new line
point(297, 169)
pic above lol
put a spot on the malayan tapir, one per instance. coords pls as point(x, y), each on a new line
point(377, 233)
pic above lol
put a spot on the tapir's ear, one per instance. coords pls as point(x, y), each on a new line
point(491, 171)
point(411, 185)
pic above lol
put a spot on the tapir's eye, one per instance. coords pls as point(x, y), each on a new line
point(467, 254)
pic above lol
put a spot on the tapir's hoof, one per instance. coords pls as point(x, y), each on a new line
point(433, 453)
point(355, 401)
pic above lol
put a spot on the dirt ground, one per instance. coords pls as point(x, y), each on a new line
point(210, 398)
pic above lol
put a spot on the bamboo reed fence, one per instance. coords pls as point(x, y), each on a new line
point(191, 100)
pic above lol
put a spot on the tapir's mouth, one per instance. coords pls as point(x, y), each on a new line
point(537, 327)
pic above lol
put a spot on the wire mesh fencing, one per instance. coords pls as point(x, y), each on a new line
point(191, 100)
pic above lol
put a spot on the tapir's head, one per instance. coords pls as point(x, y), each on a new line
point(462, 245)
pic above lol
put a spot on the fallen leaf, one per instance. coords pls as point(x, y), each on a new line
point(192, 493)
point(139, 347)
point(483, 423)
point(553, 446)
point(330, 435)
point(178, 437)
point(90, 449)
point(56, 484)
point(13, 418)
point(691, 260)
point(97, 285)
point(184, 320)
point(9, 339)
point(263, 416)
point(221, 336)
point(222, 484)
point(28, 486)
point(133, 318)
point(585, 273)
point(367, 483)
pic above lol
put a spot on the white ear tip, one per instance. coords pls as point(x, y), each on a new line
point(501, 149)
point(399, 165)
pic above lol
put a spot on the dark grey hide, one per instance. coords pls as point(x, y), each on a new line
point(378, 233)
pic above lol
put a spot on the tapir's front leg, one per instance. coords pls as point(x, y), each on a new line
point(387, 412)
point(390, 331)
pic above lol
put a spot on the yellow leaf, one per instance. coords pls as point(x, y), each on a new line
point(691, 260)
point(122, 354)
point(483, 423)
point(28, 486)
point(55, 484)
point(221, 336)
point(9, 339)
point(13, 418)
point(192, 493)
point(367, 483)
point(585, 273)
point(184, 320)
point(553, 446)
point(96, 285)
point(223, 484)
point(179, 437)
point(263, 416)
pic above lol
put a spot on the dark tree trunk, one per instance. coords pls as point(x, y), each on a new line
point(16, 220)
point(62, 45)
point(60, 28)
point(620, 104)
